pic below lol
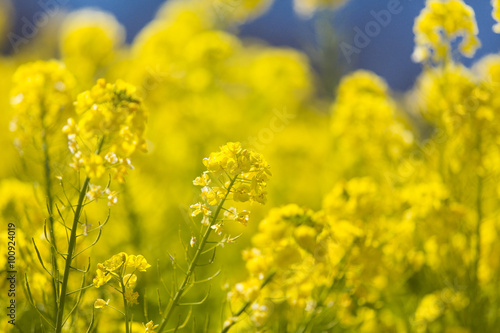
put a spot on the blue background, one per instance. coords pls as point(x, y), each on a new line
point(388, 53)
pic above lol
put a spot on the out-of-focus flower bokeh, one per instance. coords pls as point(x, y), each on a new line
point(284, 166)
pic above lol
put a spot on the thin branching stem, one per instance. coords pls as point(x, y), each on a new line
point(50, 205)
point(245, 306)
point(71, 248)
point(192, 265)
point(69, 257)
point(125, 305)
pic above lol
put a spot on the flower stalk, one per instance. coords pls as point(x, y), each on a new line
point(72, 246)
point(171, 305)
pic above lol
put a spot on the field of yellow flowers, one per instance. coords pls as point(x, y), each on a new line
point(193, 181)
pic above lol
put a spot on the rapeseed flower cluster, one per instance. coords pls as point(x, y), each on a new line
point(42, 97)
point(118, 268)
point(291, 250)
point(109, 268)
point(381, 215)
point(111, 121)
point(233, 173)
point(439, 24)
point(364, 98)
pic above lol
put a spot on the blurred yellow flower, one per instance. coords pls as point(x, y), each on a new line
point(149, 327)
point(439, 24)
point(42, 98)
point(496, 15)
point(308, 7)
point(138, 262)
point(89, 41)
point(100, 303)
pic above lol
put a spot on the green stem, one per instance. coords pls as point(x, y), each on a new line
point(50, 204)
point(194, 261)
point(245, 306)
point(69, 255)
point(125, 306)
point(71, 247)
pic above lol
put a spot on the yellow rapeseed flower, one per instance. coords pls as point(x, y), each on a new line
point(241, 175)
point(138, 262)
point(496, 15)
point(439, 24)
point(42, 98)
point(100, 303)
point(89, 41)
point(149, 327)
point(113, 113)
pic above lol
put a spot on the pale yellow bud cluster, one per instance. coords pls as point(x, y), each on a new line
point(109, 130)
point(233, 173)
point(116, 268)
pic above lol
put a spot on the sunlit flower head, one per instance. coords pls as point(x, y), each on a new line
point(42, 98)
point(113, 114)
point(233, 174)
point(439, 24)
